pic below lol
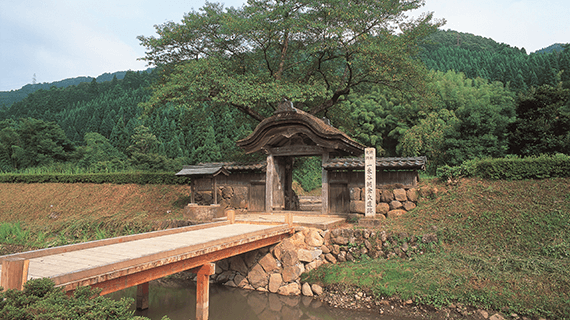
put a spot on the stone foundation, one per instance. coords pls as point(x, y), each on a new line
point(202, 213)
point(390, 201)
point(278, 268)
point(232, 197)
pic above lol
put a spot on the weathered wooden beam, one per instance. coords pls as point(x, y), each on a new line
point(142, 296)
point(203, 290)
point(14, 273)
point(296, 150)
point(325, 186)
point(269, 181)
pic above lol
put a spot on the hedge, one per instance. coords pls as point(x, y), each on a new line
point(515, 168)
point(167, 178)
point(511, 168)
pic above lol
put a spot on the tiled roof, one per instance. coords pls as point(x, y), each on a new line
point(219, 167)
point(386, 163)
point(237, 166)
point(276, 130)
point(333, 164)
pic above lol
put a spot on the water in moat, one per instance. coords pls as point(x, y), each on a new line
point(178, 302)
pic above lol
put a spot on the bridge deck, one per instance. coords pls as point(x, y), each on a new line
point(114, 264)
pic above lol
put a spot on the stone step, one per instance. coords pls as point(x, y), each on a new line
point(310, 199)
point(310, 203)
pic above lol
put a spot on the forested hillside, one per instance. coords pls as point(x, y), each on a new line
point(481, 99)
point(100, 127)
point(482, 57)
point(7, 98)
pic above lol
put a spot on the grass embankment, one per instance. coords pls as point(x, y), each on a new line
point(503, 246)
point(52, 214)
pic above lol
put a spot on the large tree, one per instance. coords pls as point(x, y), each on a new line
point(311, 52)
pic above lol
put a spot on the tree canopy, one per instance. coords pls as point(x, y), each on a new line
point(310, 52)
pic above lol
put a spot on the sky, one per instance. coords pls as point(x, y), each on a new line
point(51, 40)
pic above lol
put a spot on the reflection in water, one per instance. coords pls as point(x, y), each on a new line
point(179, 303)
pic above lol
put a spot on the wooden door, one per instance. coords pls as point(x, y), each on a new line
point(257, 196)
point(339, 198)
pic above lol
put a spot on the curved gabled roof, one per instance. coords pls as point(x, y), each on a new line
point(292, 127)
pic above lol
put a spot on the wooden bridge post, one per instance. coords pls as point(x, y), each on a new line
point(203, 290)
point(142, 296)
point(231, 215)
point(289, 218)
point(14, 273)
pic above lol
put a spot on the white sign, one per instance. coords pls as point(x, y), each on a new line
point(370, 181)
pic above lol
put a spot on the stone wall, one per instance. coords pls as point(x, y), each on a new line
point(390, 201)
point(278, 268)
point(234, 197)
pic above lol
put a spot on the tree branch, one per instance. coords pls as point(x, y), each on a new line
point(250, 112)
point(330, 102)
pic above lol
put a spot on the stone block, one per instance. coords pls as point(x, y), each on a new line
point(269, 263)
point(226, 192)
point(240, 197)
point(400, 195)
point(292, 273)
point(355, 194)
point(289, 258)
point(313, 265)
point(395, 205)
point(317, 290)
point(250, 258)
point(292, 289)
point(408, 205)
point(387, 195)
point(314, 238)
point(257, 277)
point(306, 290)
point(358, 206)
point(237, 264)
point(412, 194)
point(382, 208)
point(275, 281)
point(240, 280)
point(308, 255)
point(395, 213)
point(204, 197)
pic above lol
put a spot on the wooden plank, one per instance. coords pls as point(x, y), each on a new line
point(98, 243)
point(116, 280)
point(222, 241)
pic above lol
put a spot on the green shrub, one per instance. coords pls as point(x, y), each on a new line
point(510, 168)
point(516, 168)
point(40, 299)
point(167, 178)
point(466, 169)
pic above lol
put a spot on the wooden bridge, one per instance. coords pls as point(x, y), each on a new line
point(118, 263)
